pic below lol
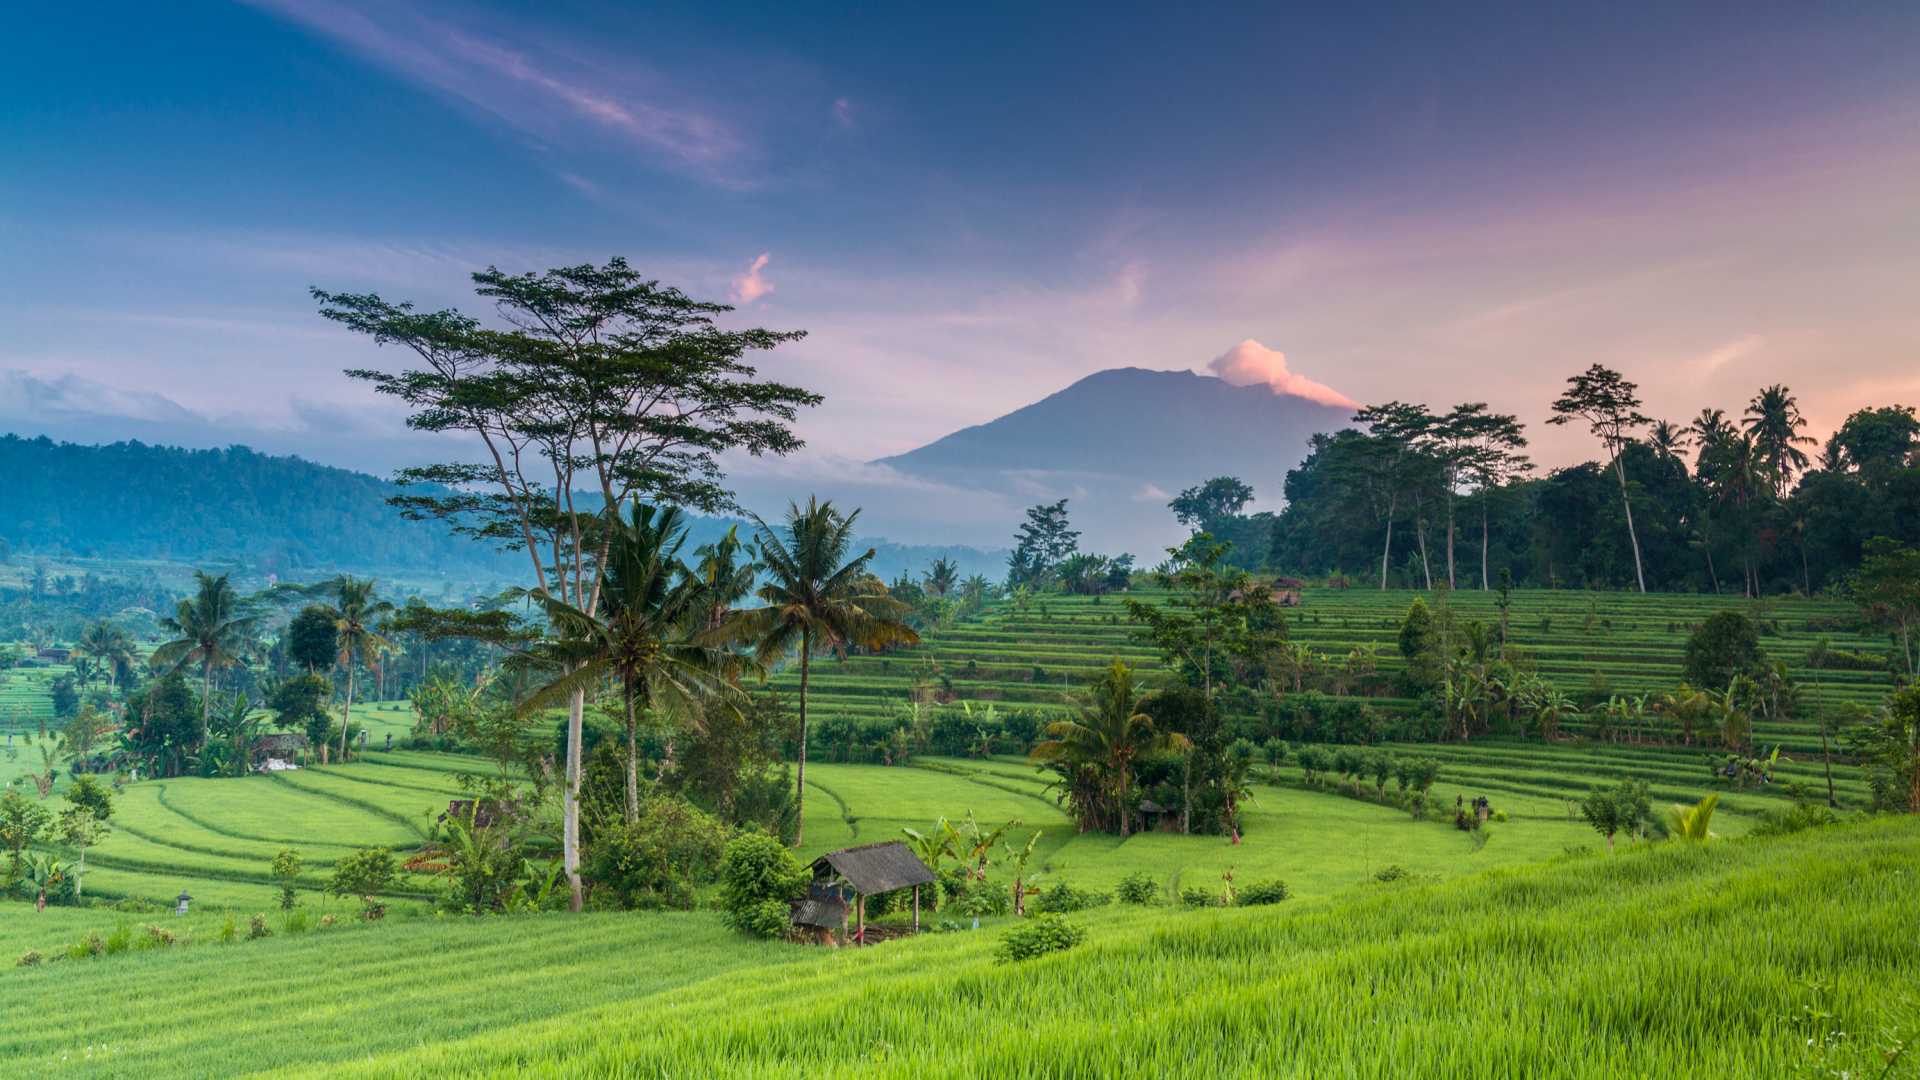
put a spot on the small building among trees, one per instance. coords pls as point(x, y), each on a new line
point(278, 751)
point(867, 870)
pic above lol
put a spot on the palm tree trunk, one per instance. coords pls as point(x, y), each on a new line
point(1121, 804)
point(633, 763)
point(346, 717)
point(570, 801)
point(1426, 568)
point(800, 776)
point(206, 700)
point(1620, 470)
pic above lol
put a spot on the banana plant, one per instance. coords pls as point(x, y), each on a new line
point(1018, 858)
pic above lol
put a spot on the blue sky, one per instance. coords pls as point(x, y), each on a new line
point(966, 210)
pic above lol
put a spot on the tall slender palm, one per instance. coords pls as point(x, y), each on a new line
point(1774, 422)
point(1668, 439)
point(1106, 738)
point(648, 635)
point(817, 598)
point(942, 576)
point(214, 628)
point(356, 614)
point(111, 645)
point(727, 569)
point(1709, 430)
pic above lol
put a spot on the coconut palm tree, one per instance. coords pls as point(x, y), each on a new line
point(356, 614)
point(942, 576)
point(817, 598)
point(1668, 440)
point(1106, 738)
point(649, 635)
point(111, 646)
point(1774, 422)
point(726, 571)
point(214, 628)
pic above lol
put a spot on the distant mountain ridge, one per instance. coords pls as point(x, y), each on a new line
point(1119, 442)
point(274, 514)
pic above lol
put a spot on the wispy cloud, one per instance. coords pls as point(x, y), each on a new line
point(540, 93)
point(1726, 354)
point(753, 284)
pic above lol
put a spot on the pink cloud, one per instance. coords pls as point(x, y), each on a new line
point(1251, 364)
point(752, 285)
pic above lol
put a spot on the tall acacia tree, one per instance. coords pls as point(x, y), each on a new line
point(649, 636)
point(1493, 460)
point(215, 628)
point(602, 389)
point(1610, 404)
point(817, 598)
point(1394, 461)
point(355, 610)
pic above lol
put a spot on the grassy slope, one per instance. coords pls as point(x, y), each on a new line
point(1666, 962)
point(1669, 961)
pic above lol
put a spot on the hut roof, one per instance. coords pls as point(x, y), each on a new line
point(876, 868)
point(279, 741)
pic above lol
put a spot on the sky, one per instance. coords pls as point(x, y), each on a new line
point(966, 210)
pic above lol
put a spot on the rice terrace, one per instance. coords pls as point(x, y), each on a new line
point(897, 620)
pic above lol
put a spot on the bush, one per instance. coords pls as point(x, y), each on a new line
point(120, 939)
point(1063, 898)
point(365, 873)
point(91, 945)
point(1797, 818)
point(656, 862)
point(30, 958)
point(1047, 934)
point(158, 937)
point(257, 927)
point(286, 870)
point(228, 930)
point(1261, 893)
point(758, 876)
point(1199, 897)
point(1138, 887)
point(1390, 873)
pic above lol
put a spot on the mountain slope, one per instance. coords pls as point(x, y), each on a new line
point(1118, 443)
point(1163, 426)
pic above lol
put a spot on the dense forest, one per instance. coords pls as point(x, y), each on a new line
point(1748, 504)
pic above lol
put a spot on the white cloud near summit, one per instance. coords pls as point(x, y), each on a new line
point(1251, 364)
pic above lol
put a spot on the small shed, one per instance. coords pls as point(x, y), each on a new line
point(869, 870)
point(282, 747)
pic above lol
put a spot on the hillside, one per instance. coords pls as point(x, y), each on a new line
point(269, 514)
point(1664, 960)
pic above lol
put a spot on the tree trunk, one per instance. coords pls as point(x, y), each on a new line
point(1121, 805)
point(347, 716)
point(1387, 552)
point(1620, 470)
point(1426, 568)
point(206, 701)
point(1450, 580)
point(1483, 546)
point(800, 777)
point(570, 800)
point(633, 763)
point(1712, 574)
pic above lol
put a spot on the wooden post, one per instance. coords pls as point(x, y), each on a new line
point(860, 916)
point(916, 909)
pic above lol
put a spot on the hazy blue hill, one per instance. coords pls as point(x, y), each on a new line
point(273, 514)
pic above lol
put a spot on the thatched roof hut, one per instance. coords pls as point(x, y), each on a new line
point(869, 870)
